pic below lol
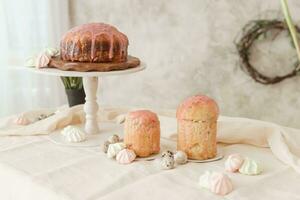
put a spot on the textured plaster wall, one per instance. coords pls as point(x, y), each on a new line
point(188, 48)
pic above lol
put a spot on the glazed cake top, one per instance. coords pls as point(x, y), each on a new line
point(199, 107)
point(97, 29)
point(143, 116)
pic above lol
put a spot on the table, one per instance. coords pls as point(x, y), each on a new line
point(32, 168)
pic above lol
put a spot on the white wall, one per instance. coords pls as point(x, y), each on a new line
point(188, 47)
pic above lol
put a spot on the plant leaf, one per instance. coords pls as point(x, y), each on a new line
point(291, 26)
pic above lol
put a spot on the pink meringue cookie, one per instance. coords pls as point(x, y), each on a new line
point(125, 156)
point(22, 120)
point(42, 60)
point(220, 184)
point(234, 162)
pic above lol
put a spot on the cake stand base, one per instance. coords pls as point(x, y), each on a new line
point(90, 84)
point(107, 129)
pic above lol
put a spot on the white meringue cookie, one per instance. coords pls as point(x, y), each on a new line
point(114, 149)
point(51, 51)
point(220, 184)
point(125, 156)
point(234, 162)
point(73, 134)
point(42, 60)
point(250, 167)
point(180, 157)
point(30, 62)
point(204, 180)
point(121, 119)
point(22, 120)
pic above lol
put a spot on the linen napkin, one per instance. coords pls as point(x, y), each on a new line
point(59, 119)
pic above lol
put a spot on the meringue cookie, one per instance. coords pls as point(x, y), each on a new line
point(114, 139)
point(167, 162)
point(114, 149)
point(22, 120)
point(180, 157)
point(73, 134)
point(250, 167)
point(220, 184)
point(42, 60)
point(121, 119)
point(204, 180)
point(125, 156)
point(105, 146)
point(234, 162)
point(30, 62)
point(51, 51)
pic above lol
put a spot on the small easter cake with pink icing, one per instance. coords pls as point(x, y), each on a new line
point(197, 127)
point(142, 132)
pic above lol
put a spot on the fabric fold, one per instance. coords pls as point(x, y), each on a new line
point(60, 119)
point(283, 142)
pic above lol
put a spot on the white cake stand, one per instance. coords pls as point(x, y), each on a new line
point(90, 84)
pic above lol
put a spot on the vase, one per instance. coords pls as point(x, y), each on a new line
point(75, 97)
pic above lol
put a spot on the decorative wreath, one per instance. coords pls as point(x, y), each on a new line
point(250, 33)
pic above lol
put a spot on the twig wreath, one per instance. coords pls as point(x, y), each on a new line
point(250, 34)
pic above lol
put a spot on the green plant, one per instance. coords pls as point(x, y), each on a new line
point(291, 25)
point(73, 83)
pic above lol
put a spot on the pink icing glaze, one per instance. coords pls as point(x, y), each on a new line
point(97, 29)
point(144, 115)
point(199, 100)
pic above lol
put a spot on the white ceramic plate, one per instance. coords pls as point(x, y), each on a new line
point(106, 130)
point(152, 157)
point(218, 157)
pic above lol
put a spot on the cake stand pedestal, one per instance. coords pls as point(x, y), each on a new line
point(90, 84)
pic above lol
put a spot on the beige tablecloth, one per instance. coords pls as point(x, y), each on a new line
point(32, 167)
